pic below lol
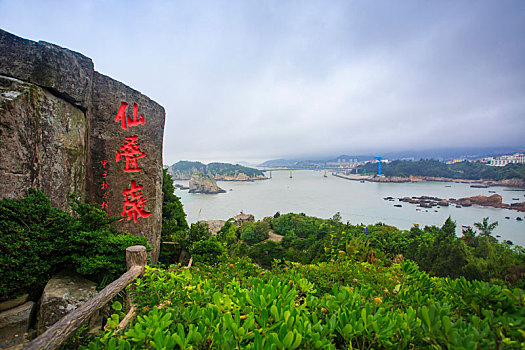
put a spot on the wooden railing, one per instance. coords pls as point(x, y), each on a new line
point(64, 328)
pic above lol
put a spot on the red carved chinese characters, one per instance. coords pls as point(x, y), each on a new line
point(131, 151)
point(104, 186)
point(134, 203)
point(121, 116)
point(133, 198)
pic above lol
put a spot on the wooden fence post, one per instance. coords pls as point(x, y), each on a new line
point(58, 333)
point(135, 255)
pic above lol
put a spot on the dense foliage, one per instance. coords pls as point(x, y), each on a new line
point(437, 250)
point(38, 240)
point(340, 304)
point(186, 168)
point(462, 170)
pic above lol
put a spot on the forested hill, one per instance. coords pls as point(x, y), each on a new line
point(182, 170)
point(463, 170)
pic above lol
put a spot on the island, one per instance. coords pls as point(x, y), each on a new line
point(202, 183)
point(183, 170)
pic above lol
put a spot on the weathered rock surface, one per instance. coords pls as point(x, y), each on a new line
point(65, 292)
point(200, 183)
point(107, 137)
point(66, 73)
point(214, 226)
point(58, 122)
point(11, 304)
point(14, 323)
point(43, 143)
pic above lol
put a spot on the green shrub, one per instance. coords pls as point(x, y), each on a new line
point(336, 305)
point(37, 240)
point(254, 233)
point(207, 251)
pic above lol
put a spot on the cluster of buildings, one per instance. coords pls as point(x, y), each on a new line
point(516, 158)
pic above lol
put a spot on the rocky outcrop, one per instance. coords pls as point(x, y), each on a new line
point(214, 226)
point(65, 128)
point(200, 183)
point(494, 201)
point(394, 179)
point(14, 324)
point(239, 177)
point(65, 292)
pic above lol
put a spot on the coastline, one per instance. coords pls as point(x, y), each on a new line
point(515, 183)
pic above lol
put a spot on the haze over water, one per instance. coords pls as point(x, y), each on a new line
point(310, 193)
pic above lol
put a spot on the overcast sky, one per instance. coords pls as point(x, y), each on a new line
point(257, 80)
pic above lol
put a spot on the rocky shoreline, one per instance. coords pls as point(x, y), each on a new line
point(494, 201)
point(237, 178)
point(519, 183)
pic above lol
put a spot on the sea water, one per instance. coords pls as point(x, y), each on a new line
point(309, 192)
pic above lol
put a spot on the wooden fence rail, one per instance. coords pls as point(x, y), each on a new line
point(64, 328)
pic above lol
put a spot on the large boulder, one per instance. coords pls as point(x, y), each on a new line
point(14, 323)
point(65, 292)
point(65, 128)
point(201, 183)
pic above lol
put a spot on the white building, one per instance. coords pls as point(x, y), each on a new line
point(516, 158)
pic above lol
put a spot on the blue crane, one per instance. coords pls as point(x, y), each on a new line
point(379, 166)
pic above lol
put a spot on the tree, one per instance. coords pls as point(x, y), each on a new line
point(485, 228)
point(173, 215)
point(174, 225)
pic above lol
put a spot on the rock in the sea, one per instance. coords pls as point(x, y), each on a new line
point(200, 183)
point(65, 292)
point(14, 323)
point(491, 201)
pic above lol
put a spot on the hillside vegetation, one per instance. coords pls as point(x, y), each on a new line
point(184, 170)
point(463, 170)
point(330, 285)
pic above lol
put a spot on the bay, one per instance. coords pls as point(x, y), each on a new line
point(311, 193)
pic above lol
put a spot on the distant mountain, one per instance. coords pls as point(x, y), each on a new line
point(279, 163)
point(319, 163)
point(437, 154)
point(219, 171)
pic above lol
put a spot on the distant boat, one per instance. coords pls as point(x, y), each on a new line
point(492, 191)
point(515, 199)
point(398, 205)
point(290, 174)
point(519, 218)
point(507, 217)
point(325, 174)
